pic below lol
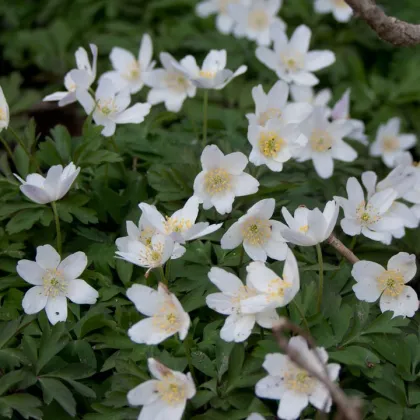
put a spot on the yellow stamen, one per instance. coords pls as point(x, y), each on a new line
point(171, 390)
point(299, 380)
point(176, 82)
point(258, 19)
point(132, 71)
point(391, 282)
point(270, 144)
point(172, 224)
point(167, 318)
point(2, 114)
point(390, 143)
point(54, 283)
point(217, 181)
point(304, 229)
point(320, 141)
point(277, 288)
point(207, 74)
point(256, 231)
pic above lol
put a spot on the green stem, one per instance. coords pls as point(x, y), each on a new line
point(321, 276)
point(262, 333)
point(189, 358)
point(163, 279)
point(302, 315)
point(57, 226)
point(205, 107)
point(25, 149)
point(117, 150)
point(353, 242)
point(8, 150)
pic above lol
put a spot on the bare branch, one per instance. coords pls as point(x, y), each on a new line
point(388, 28)
point(342, 249)
point(349, 408)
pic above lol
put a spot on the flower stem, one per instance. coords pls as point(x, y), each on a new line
point(8, 150)
point(302, 315)
point(205, 106)
point(25, 149)
point(163, 279)
point(342, 249)
point(321, 276)
point(57, 226)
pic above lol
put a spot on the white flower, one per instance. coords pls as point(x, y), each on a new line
point(272, 291)
point(390, 144)
point(255, 416)
point(52, 188)
point(294, 386)
point(260, 235)
point(369, 218)
point(110, 107)
point(291, 60)
point(181, 225)
point(80, 78)
point(254, 21)
point(4, 111)
point(308, 95)
point(310, 227)
point(374, 281)
point(155, 254)
point(164, 397)
point(238, 325)
point(325, 142)
point(275, 143)
point(166, 316)
point(128, 70)
point(224, 22)
point(222, 179)
point(341, 111)
point(55, 282)
point(274, 105)
point(169, 85)
point(341, 11)
point(213, 73)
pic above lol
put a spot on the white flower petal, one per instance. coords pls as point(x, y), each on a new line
point(237, 328)
point(80, 292)
point(56, 309)
point(226, 282)
point(211, 157)
point(267, 318)
point(245, 184)
point(351, 226)
point(146, 300)
point(405, 264)
point(233, 237)
point(34, 300)
point(145, 332)
point(406, 304)
point(220, 303)
point(73, 266)
point(144, 393)
point(291, 405)
point(47, 257)
point(271, 387)
point(30, 271)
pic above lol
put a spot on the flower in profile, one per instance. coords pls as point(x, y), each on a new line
point(259, 234)
point(169, 84)
point(307, 94)
point(341, 11)
point(254, 21)
point(128, 70)
point(274, 105)
point(291, 60)
point(110, 107)
point(275, 143)
point(390, 144)
point(51, 188)
point(309, 227)
point(80, 78)
point(412, 195)
point(325, 142)
point(224, 22)
point(54, 282)
point(213, 74)
point(272, 290)
point(166, 316)
point(4, 111)
point(293, 385)
point(222, 179)
point(388, 285)
point(368, 218)
point(238, 325)
point(165, 396)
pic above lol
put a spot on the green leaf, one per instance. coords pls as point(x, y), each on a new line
point(10, 379)
point(354, 356)
point(203, 363)
point(26, 405)
point(54, 389)
point(236, 361)
point(386, 324)
point(124, 270)
point(24, 220)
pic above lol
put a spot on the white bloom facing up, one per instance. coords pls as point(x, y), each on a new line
point(260, 236)
point(291, 60)
point(181, 225)
point(325, 142)
point(80, 78)
point(274, 105)
point(51, 188)
point(54, 282)
point(307, 94)
point(169, 84)
point(166, 316)
point(374, 282)
point(275, 143)
point(254, 21)
point(222, 179)
point(128, 70)
point(4, 111)
point(110, 107)
point(163, 397)
point(238, 325)
point(368, 217)
point(293, 385)
point(213, 74)
point(341, 11)
point(309, 227)
point(390, 144)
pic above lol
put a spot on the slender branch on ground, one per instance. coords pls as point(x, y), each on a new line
point(342, 249)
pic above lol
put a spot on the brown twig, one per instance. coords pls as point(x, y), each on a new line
point(348, 408)
point(342, 249)
point(388, 28)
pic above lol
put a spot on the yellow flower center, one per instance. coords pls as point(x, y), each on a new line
point(54, 283)
point(391, 282)
point(132, 72)
point(320, 141)
point(367, 214)
point(152, 256)
point(269, 114)
point(277, 288)
point(299, 380)
point(107, 106)
point(176, 82)
point(304, 228)
point(243, 293)
point(146, 236)
point(207, 74)
point(390, 143)
point(172, 224)
point(223, 5)
point(2, 114)
point(340, 3)
point(171, 390)
point(258, 20)
point(217, 181)
point(256, 231)
point(270, 144)
point(292, 63)
point(167, 318)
